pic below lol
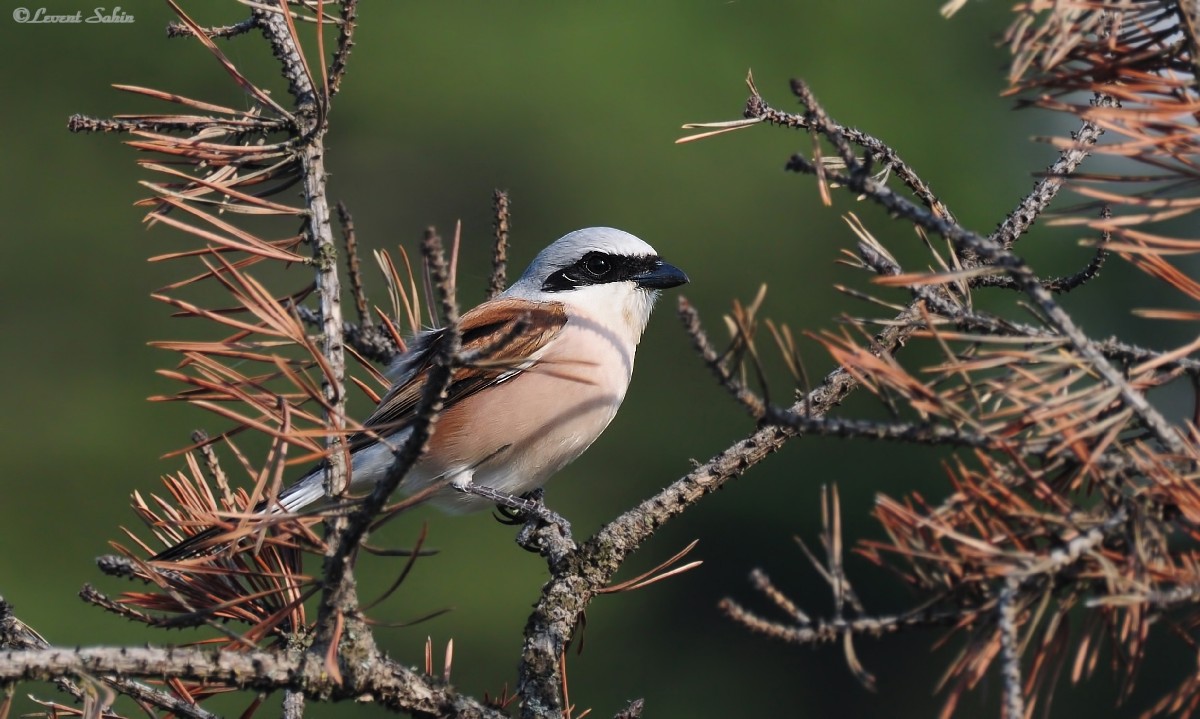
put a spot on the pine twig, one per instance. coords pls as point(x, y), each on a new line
point(354, 274)
point(341, 56)
point(180, 30)
point(753, 404)
point(1010, 654)
point(501, 225)
point(876, 149)
point(1036, 202)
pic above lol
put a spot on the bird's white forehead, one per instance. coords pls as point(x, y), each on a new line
point(569, 248)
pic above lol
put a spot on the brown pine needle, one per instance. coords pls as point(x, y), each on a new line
point(412, 559)
point(241, 241)
point(198, 32)
point(720, 128)
point(656, 574)
point(179, 99)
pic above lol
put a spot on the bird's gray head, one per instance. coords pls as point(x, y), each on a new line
point(593, 257)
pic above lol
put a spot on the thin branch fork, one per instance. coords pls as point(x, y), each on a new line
point(828, 631)
point(715, 362)
point(758, 109)
point(1035, 203)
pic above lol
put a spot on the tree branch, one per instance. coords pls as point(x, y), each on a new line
point(391, 685)
point(993, 253)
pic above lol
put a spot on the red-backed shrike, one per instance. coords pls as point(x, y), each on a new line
point(556, 354)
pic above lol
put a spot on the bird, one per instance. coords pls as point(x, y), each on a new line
point(556, 353)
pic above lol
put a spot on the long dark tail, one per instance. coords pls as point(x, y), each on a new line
point(193, 546)
point(198, 544)
point(301, 494)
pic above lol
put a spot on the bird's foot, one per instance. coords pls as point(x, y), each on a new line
point(530, 511)
point(520, 509)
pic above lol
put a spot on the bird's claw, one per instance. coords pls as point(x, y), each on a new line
point(528, 507)
point(521, 509)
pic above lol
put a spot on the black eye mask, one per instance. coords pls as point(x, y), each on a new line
point(597, 268)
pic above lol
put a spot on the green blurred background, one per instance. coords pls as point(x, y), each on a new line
point(573, 108)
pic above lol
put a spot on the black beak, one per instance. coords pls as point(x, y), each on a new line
point(660, 276)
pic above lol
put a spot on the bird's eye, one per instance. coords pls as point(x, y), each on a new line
point(597, 266)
